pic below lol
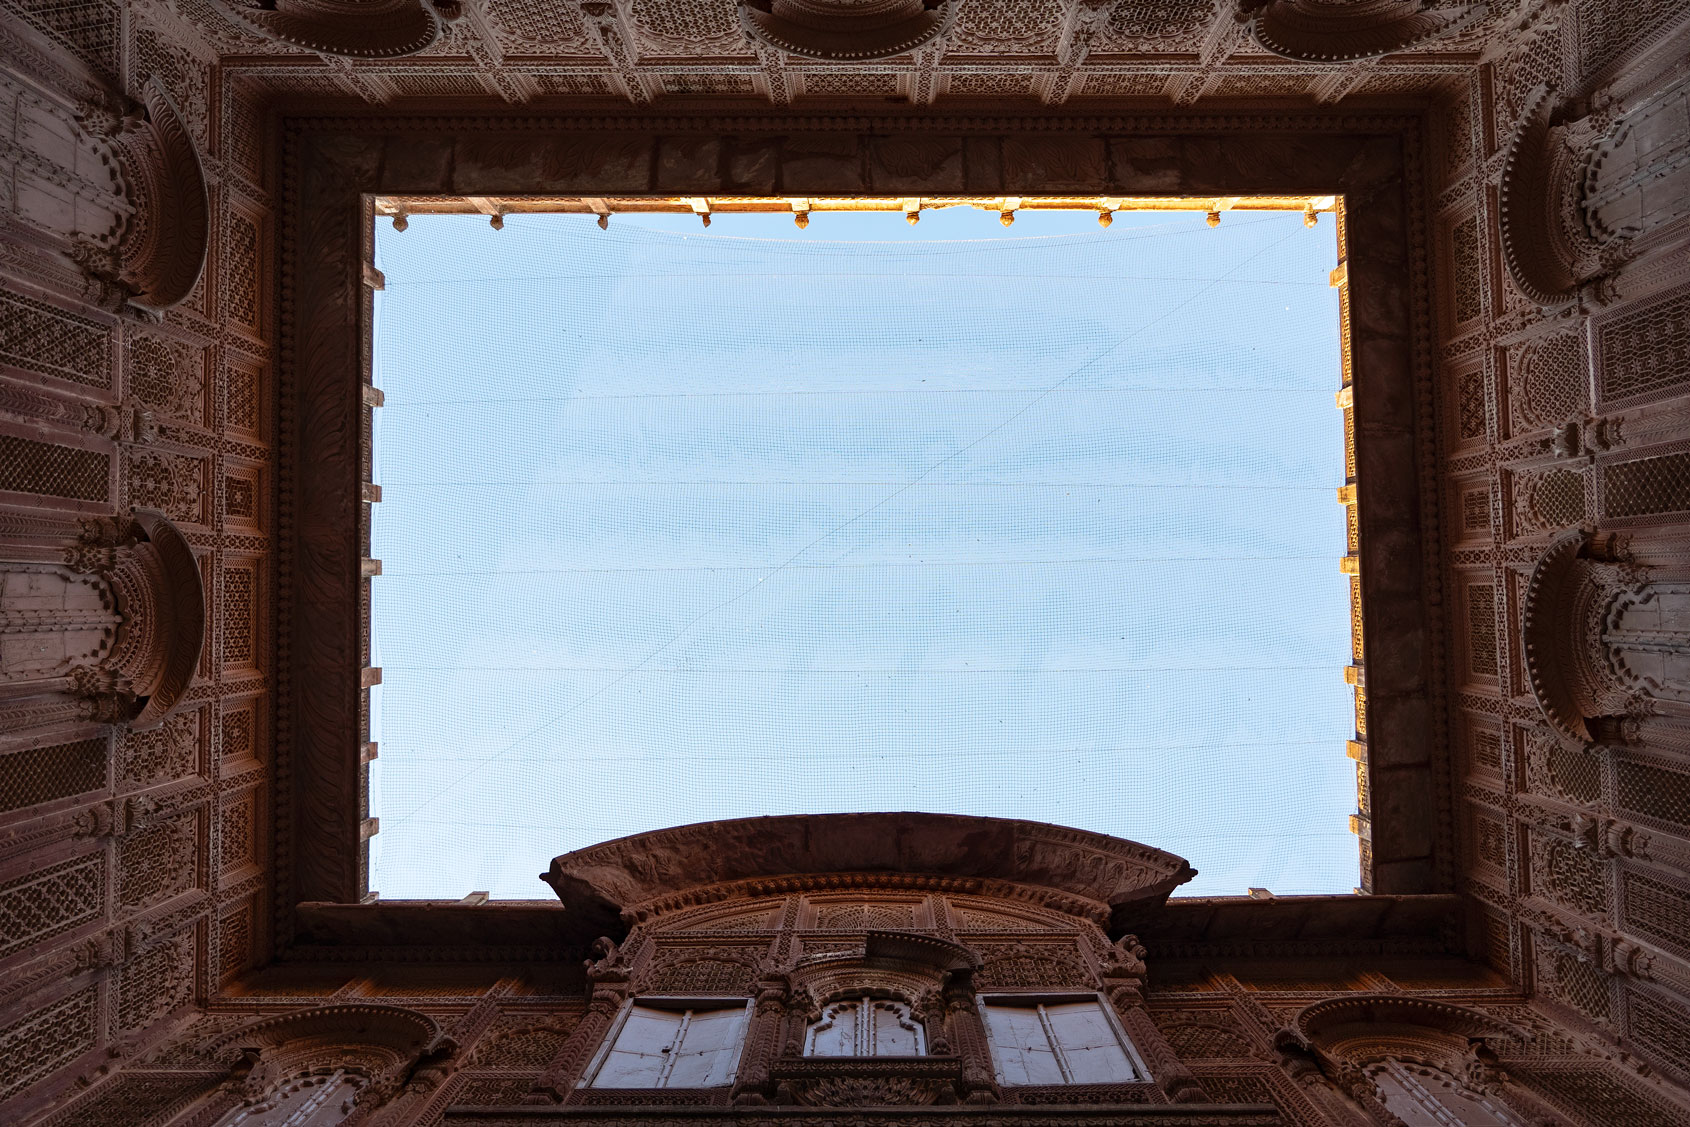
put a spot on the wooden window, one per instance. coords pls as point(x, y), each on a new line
point(1064, 1040)
point(1425, 1097)
point(670, 1043)
point(866, 1027)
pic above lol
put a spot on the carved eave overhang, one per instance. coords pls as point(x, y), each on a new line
point(1299, 926)
point(353, 29)
point(162, 251)
point(1319, 31)
point(839, 32)
point(1106, 879)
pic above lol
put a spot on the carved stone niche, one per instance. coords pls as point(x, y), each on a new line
point(112, 622)
point(1601, 640)
point(360, 1054)
point(846, 30)
point(1409, 1059)
point(1577, 192)
point(158, 259)
point(354, 29)
point(1322, 31)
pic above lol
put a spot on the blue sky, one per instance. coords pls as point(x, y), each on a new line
point(682, 524)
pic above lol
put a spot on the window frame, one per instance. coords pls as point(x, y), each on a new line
point(868, 1002)
point(686, 1005)
point(1141, 1074)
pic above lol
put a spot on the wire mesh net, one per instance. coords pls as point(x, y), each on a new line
point(1034, 523)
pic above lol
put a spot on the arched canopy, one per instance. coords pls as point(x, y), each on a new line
point(1093, 874)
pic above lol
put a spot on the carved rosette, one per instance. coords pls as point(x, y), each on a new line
point(353, 29)
point(846, 30)
point(1321, 31)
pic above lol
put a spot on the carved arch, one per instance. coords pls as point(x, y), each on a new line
point(354, 29)
point(1320, 31)
point(381, 1045)
point(163, 248)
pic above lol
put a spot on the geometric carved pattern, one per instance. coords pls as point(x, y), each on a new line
point(537, 21)
point(241, 287)
point(1565, 873)
point(1552, 385)
point(171, 483)
point(234, 942)
point(1475, 510)
point(1195, 1042)
point(236, 832)
point(1490, 841)
point(237, 734)
point(1470, 394)
point(166, 377)
point(1464, 260)
point(1654, 792)
point(1487, 749)
point(158, 861)
point(1582, 986)
point(865, 917)
point(239, 498)
point(1481, 629)
point(492, 1091)
point(1596, 1093)
point(870, 83)
point(1646, 350)
point(242, 408)
point(35, 1045)
point(521, 1049)
point(1558, 772)
point(52, 901)
point(43, 774)
point(1159, 19)
point(1608, 31)
point(1647, 486)
point(162, 755)
point(700, 976)
point(1657, 911)
point(1548, 501)
point(43, 338)
point(1660, 1028)
point(156, 982)
point(1021, 965)
point(27, 466)
point(238, 610)
point(129, 1098)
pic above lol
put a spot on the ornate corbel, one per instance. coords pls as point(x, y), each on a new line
point(1545, 243)
point(157, 260)
point(841, 33)
point(1321, 31)
point(352, 29)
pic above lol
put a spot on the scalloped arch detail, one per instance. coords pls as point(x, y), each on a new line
point(354, 29)
point(1316, 31)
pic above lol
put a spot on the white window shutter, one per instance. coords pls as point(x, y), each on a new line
point(893, 1032)
point(708, 1049)
point(1090, 1047)
point(642, 1049)
point(1023, 1051)
point(835, 1035)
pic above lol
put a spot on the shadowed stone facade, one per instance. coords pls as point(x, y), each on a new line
point(185, 405)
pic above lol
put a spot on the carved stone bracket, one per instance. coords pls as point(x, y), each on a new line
point(1320, 31)
point(354, 29)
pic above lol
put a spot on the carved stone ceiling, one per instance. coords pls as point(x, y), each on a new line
point(1180, 51)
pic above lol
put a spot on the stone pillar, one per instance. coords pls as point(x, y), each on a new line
point(561, 1076)
point(764, 1039)
point(964, 1029)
